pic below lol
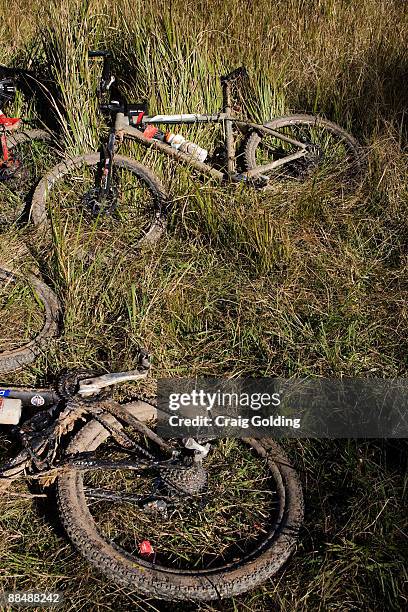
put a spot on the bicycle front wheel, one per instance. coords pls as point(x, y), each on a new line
point(135, 207)
point(34, 310)
point(332, 153)
point(197, 544)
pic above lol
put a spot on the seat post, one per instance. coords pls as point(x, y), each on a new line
point(229, 136)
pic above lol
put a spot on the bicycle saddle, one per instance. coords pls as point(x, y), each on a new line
point(238, 73)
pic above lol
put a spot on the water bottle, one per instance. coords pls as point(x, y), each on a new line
point(194, 151)
point(174, 140)
point(178, 142)
point(10, 411)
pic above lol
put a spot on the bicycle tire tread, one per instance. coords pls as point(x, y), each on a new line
point(17, 358)
point(172, 585)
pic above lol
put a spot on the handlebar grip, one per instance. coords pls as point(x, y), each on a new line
point(99, 54)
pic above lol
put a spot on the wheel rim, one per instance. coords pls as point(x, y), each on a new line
point(258, 518)
point(329, 156)
point(124, 217)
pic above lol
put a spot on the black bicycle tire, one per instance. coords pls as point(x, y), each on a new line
point(176, 585)
point(39, 214)
point(255, 138)
point(19, 357)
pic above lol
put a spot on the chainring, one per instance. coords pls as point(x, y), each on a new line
point(68, 385)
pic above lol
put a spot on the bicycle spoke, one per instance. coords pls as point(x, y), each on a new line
point(246, 504)
point(327, 155)
point(127, 209)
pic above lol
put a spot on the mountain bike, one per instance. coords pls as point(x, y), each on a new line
point(294, 147)
point(35, 311)
point(25, 155)
point(174, 519)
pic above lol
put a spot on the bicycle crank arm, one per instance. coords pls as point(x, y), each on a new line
point(91, 386)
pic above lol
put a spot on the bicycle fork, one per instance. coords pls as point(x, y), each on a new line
point(107, 155)
point(101, 198)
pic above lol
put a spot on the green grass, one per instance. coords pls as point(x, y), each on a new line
point(302, 280)
point(236, 514)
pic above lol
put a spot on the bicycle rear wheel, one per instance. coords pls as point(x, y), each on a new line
point(135, 207)
point(33, 153)
point(211, 545)
point(332, 153)
point(34, 309)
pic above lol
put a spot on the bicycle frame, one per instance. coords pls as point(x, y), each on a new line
point(87, 387)
point(55, 413)
point(58, 411)
point(122, 127)
point(39, 398)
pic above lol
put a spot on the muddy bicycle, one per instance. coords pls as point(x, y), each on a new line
point(25, 155)
point(111, 185)
point(174, 519)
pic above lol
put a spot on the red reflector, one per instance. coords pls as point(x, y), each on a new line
point(145, 548)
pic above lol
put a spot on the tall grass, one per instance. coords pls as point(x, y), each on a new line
point(301, 280)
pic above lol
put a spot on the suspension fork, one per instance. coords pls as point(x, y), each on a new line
point(229, 136)
point(106, 166)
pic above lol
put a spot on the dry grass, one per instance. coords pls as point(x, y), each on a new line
point(302, 280)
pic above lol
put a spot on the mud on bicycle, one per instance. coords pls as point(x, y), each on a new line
point(109, 184)
point(175, 519)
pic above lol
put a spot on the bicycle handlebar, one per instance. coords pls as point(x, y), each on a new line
point(238, 73)
point(107, 78)
point(92, 54)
